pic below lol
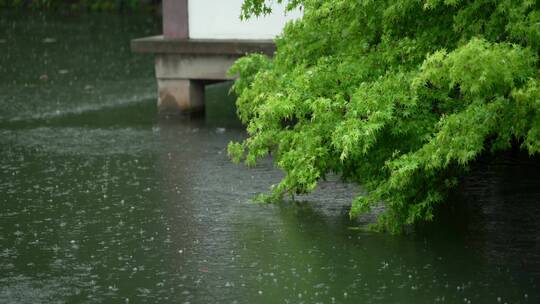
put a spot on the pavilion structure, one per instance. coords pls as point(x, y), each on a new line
point(201, 40)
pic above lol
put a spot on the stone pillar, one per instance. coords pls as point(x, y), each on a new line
point(180, 96)
point(175, 19)
point(177, 95)
point(181, 79)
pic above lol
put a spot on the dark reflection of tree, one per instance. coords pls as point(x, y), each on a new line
point(503, 195)
point(493, 213)
point(316, 255)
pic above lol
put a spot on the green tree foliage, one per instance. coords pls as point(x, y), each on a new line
point(257, 8)
point(399, 96)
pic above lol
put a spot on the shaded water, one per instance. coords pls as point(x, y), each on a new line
point(101, 203)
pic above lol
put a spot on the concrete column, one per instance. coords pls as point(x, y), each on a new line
point(180, 96)
point(175, 19)
point(181, 79)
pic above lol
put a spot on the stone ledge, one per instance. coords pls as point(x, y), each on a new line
point(160, 45)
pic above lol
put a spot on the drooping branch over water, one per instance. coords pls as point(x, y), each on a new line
point(399, 96)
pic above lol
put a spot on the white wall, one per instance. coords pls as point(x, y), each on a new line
point(220, 19)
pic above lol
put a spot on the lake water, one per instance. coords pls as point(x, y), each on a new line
point(100, 202)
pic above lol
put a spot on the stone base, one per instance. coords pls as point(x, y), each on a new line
point(200, 67)
point(184, 66)
point(180, 96)
point(181, 79)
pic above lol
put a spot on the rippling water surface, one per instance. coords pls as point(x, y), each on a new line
point(102, 203)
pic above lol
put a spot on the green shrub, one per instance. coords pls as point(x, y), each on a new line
point(399, 96)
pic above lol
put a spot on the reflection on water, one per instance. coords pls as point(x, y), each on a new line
point(103, 204)
point(53, 66)
point(503, 195)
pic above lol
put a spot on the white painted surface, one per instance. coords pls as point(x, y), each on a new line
point(220, 19)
